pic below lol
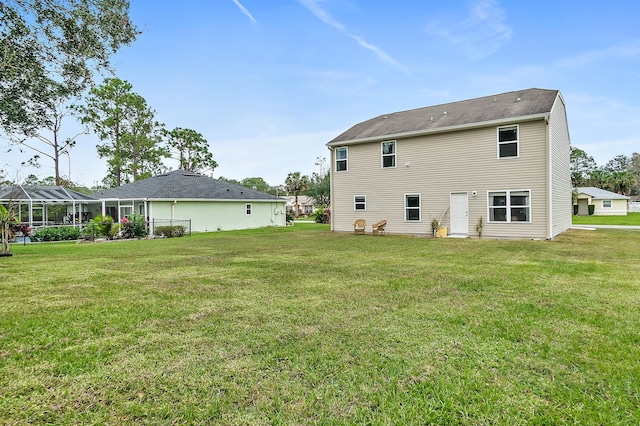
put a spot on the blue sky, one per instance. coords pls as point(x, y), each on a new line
point(269, 83)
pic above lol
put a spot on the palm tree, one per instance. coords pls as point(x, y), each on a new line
point(621, 182)
point(295, 184)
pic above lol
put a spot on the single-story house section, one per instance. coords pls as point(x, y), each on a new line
point(499, 160)
point(179, 196)
point(606, 203)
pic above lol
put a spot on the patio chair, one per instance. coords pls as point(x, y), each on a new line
point(378, 228)
point(358, 226)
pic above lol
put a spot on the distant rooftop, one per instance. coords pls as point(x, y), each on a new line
point(181, 184)
point(600, 194)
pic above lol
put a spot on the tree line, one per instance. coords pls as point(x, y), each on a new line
point(621, 174)
point(316, 186)
point(50, 53)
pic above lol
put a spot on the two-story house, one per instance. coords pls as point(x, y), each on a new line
point(500, 159)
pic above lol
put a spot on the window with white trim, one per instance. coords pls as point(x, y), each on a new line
point(509, 206)
point(412, 207)
point(359, 202)
point(248, 209)
point(508, 145)
point(389, 154)
point(606, 204)
point(341, 159)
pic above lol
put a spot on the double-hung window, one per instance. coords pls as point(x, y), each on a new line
point(389, 154)
point(510, 206)
point(341, 159)
point(360, 202)
point(508, 145)
point(412, 207)
point(606, 204)
point(248, 209)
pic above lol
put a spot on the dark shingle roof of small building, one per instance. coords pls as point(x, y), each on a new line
point(43, 194)
point(181, 184)
point(517, 104)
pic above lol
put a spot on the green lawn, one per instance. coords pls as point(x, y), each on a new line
point(298, 325)
point(630, 219)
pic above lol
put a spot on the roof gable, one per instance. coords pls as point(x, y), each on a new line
point(181, 184)
point(518, 104)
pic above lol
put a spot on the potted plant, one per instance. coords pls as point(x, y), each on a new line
point(435, 225)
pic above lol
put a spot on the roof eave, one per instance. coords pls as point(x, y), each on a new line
point(466, 126)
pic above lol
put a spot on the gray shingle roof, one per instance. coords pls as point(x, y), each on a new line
point(180, 184)
point(600, 194)
point(43, 194)
point(528, 102)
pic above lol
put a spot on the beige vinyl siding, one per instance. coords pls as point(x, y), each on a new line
point(560, 169)
point(618, 208)
point(436, 165)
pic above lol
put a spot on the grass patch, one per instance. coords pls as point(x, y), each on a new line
point(631, 219)
point(299, 325)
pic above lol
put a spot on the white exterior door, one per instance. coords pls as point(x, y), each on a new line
point(459, 211)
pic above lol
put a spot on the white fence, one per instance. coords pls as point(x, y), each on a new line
point(634, 207)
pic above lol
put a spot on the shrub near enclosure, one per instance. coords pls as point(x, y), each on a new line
point(170, 231)
point(60, 233)
point(134, 226)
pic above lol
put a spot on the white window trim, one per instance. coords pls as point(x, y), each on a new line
point(346, 159)
point(517, 141)
point(355, 203)
point(395, 154)
point(508, 206)
point(248, 209)
point(404, 202)
point(607, 201)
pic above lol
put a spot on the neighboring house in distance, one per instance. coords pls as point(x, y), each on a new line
point(305, 206)
point(606, 203)
point(503, 158)
point(209, 204)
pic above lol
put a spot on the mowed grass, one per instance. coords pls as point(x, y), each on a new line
point(299, 325)
point(631, 219)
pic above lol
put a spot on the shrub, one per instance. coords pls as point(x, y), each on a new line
point(323, 215)
point(61, 233)
point(103, 225)
point(592, 209)
point(134, 226)
point(170, 231)
point(289, 217)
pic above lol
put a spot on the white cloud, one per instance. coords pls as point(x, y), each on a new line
point(314, 7)
point(244, 10)
point(622, 51)
point(482, 33)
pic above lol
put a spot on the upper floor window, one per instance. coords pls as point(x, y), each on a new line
point(509, 206)
point(606, 204)
point(389, 154)
point(412, 207)
point(341, 159)
point(360, 202)
point(508, 141)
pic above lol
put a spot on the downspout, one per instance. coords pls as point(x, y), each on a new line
point(331, 204)
point(549, 180)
